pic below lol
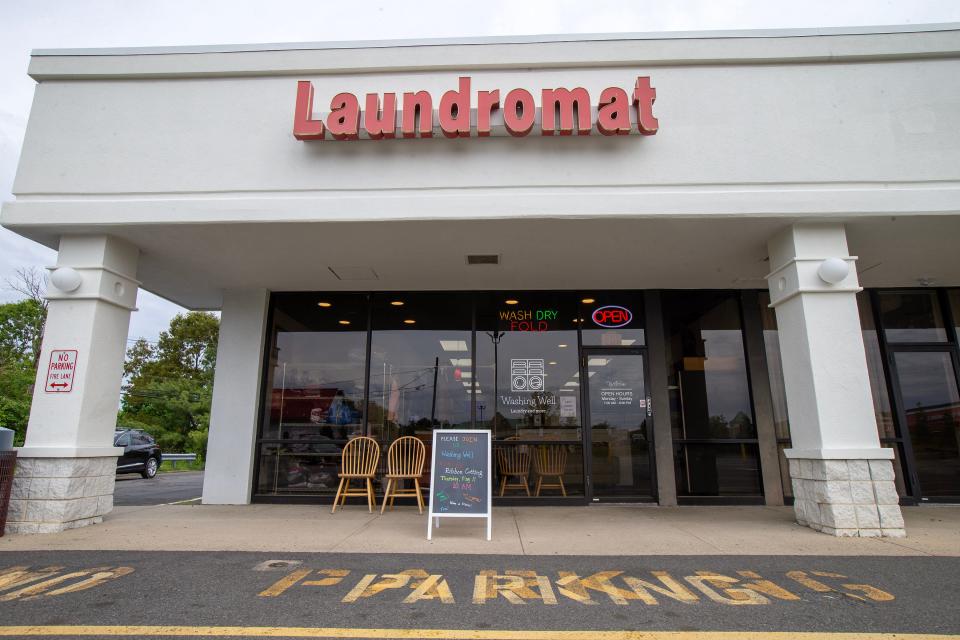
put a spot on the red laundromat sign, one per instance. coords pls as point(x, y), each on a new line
point(463, 113)
point(612, 317)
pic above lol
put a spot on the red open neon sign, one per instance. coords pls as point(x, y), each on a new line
point(612, 317)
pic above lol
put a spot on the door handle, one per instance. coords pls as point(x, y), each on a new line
point(649, 407)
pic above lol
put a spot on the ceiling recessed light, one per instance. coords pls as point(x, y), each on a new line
point(512, 301)
point(397, 303)
point(588, 301)
point(409, 321)
point(325, 305)
point(562, 346)
point(552, 362)
point(343, 321)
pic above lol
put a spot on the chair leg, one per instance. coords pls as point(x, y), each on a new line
point(386, 495)
point(370, 500)
point(416, 482)
point(503, 485)
point(525, 485)
point(562, 488)
point(339, 489)
point(539, 485)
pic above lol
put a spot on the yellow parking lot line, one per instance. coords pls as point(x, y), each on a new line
point(446, 634)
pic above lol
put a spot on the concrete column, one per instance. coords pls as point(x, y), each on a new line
point(842, 478)
point(66, 468)
point(228, 477)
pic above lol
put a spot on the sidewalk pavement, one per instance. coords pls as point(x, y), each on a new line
point(602, 530)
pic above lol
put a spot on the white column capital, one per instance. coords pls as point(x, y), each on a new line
point(100, 268)
point(802, 275)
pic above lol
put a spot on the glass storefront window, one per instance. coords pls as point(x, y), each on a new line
point(528, 389)
point(778, 390)
point(315, 386)
point(878, 380)
point(911, 316)
point(931, 405)
point(717, 469)
point(421, 374)
point(954, 295)
point(612, 319)
point(528, 371)
point(710, 394)
point(708, 365)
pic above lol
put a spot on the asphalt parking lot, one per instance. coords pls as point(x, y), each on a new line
point(338, 595)
point(132, 491)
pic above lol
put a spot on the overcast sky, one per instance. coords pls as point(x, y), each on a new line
point(46, 24)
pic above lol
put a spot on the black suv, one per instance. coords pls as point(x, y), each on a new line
point(140, 452)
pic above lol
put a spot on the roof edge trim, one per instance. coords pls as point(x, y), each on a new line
point(495, 40)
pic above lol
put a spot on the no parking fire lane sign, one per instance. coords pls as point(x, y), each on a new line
point(60, 371)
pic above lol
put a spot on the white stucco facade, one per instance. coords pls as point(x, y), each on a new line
point(775, 151)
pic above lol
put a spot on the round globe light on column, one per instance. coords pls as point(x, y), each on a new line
point(833, 270)
point(66, 279)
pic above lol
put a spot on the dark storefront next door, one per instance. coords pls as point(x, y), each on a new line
point(929, 401)
point(618, 442)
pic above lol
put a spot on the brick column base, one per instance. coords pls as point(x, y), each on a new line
point(54, 494)
point(847, 497)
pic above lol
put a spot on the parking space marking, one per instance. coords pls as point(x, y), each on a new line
point(20, 583)
point(519, 587)
point(443, 634)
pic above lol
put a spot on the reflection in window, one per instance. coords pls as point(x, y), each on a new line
point(878, 380)
point(778, 390)
point(878, 384)
point(316, 388)
point(421, 375)
point(718, 469)
point(710, 397)
point(708, 365)
point(931, 403)
point(911, 316)
point(954, 295)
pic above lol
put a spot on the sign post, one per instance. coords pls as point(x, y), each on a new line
point(460, 483)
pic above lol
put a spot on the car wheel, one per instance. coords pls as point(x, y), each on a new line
point(150, 468)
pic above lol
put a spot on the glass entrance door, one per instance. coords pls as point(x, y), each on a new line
point(618, 440)
point(926, 381)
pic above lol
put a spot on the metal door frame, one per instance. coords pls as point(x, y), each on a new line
point(587, 435)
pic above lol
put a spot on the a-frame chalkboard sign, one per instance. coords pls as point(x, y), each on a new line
point(460, 477)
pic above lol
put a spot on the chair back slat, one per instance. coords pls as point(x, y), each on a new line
point(513, 460)
point(406, 456)
point(360, 456)
point(551, 459)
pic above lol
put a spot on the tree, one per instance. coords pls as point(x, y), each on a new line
point(169, 385)
point(21, 333)
point(29, 283)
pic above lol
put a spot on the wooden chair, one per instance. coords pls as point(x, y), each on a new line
point(550, 461)
point(513, 462)
point(405, 460)
point(358, 461)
